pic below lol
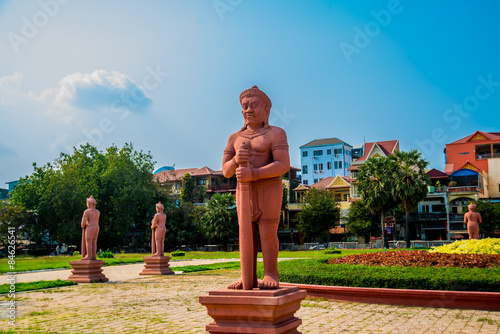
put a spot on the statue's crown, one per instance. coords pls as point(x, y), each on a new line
point(255, 91)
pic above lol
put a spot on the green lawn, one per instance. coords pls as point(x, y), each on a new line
point(30, 263)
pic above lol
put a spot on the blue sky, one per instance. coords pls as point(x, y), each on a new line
point(166, 75)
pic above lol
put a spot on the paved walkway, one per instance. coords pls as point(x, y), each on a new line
point(113, 273)
point(169, 304)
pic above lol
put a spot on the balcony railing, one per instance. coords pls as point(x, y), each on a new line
point(465, 189)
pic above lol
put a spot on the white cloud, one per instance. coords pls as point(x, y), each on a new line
point(99, 89)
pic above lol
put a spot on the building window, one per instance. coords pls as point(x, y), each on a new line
point(483, 152)
point(329, 151)
point(318, 153)
point(305, 182)
point(340, 164)
point(338, 151)
point(336, 165)
point(463, 153)
point(304, 169)
point(304, 154)
point(315, 166)
point(201, 181)
point(320, 166)
point(315, 180)
point(329, 165)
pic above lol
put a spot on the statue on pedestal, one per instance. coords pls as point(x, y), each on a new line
point(473, 219)
point(258, 155)
point(90, 230)
point(158, 231)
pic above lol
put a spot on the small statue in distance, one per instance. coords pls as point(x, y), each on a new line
point(473, 219)
point(90, 230)
point(158, 231)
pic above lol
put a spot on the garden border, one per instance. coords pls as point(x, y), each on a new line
point(407, 297)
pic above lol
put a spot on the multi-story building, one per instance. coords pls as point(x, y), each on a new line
point(370, 150)
point(473, 164)
point(322, 158)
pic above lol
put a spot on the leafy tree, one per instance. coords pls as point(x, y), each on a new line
point(375, 185)
point(187, 190)
point(361, 222)
point(221, 220)
point(490, 214)
point(12, 216)
point(410, 183)
point(121, 181)
point(190, 193)
point(319, 214)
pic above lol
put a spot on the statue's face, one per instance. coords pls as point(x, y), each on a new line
point(254, 111)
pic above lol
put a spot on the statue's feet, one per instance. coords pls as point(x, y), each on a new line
point(269, 282)
point(238, 285)
point(155, 254)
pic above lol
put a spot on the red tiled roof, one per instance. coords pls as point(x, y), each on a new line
point(436, 174)
point(177, 174)
point(387, 147)
point(488, 135)
point(323, 183)
point(353, 167)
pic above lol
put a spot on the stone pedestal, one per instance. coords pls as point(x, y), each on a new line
point(87, 271)
point(156, 265)
point(254, 311)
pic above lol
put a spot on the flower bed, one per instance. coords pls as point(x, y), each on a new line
point(483, 246)
point(421, 259)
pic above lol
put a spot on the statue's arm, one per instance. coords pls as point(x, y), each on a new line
point(229, 164)
point(84, 219)
point(480, 219)
point(281, 158)
point(278, 167)
point(154, 221)
point(466, 217)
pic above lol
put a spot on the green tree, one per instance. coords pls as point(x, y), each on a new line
point(490, 215)
point(191, 193)
point(361, 222)
point(410, 183)
point(319, 214)
point(221, 220)
point(12, 218)
point(375, 185)
point(120, 179)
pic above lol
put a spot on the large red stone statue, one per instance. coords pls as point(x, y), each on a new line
point(473, 219)
point(258, 156)
point(88, 269)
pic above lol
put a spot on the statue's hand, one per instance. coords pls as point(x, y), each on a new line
point(244, 174)
point(242, 155)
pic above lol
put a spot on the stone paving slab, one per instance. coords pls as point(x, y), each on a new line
point(169, 304)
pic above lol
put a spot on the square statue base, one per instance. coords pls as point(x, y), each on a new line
point(87, 271)
point(254, 311)
point(156, 265)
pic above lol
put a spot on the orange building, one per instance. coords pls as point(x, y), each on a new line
point(474, 161)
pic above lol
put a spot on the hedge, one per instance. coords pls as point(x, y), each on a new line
point(318, 272)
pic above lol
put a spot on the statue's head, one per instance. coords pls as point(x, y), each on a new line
point(159, 206)
point(91, 201)
point(472, 207)
point(256, 106)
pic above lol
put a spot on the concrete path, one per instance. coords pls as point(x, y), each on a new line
point(113, 273)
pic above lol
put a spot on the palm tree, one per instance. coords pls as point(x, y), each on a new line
point(221, 221)
point(410, 186)
point(375, 184)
